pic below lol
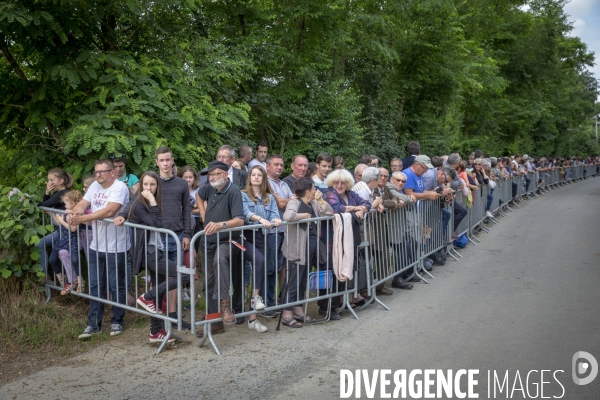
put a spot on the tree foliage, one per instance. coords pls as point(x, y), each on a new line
point(81, 79)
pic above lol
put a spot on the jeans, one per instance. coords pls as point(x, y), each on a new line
point(274, 265)
point(171, 246)
point(459, 214)
point(99, 264)
point(446, 214)
point(55, 263)
point(490, 199)
point(255, 254)
point(46, 241)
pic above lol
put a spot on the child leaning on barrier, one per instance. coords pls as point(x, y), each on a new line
point(68, 243)
point(86, 232)
point(148, 251)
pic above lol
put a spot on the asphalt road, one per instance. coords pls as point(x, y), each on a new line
point(525, 299)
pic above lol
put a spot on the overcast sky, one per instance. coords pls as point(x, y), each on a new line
point(585, 15)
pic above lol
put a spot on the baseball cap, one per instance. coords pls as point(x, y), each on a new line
point(423, 159)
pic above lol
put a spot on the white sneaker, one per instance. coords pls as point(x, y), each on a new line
point(489, 214)
point(257, 303)
point(257, 326)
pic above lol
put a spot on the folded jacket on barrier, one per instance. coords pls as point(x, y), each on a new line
point(343, 247)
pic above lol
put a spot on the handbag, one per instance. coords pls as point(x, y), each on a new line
point(461, 241)
point(320, 280)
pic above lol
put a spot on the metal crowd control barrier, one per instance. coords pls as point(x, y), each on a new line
point(393, 243)
point(109, 281)
point(394, 247)
point(225, 274)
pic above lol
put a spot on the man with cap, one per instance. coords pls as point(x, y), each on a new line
point(414, 179)
point(220, 205)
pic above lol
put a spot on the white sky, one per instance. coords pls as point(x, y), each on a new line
point(585, 16)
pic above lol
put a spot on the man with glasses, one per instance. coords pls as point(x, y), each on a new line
point(396, 186)
point(106, 196)
point(220, 205)
point(226, 154)
point(395, 166)
point(414, 179)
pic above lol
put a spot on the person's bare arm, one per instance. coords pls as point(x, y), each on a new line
point(213, 227)
point(107, 212)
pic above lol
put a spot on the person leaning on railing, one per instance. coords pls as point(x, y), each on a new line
point(343, 200)
point(260, 207)
point(149, 250)
point(300, 246)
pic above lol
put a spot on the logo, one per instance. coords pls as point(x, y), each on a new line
point(581, 367)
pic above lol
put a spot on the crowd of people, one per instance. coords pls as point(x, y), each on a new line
point(267, 267)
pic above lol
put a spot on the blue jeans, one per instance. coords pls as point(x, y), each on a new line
point(274, 264)
point(99, 264)
point(47, 241)
point(490, 199)
point(172, 246)
point(446, 214)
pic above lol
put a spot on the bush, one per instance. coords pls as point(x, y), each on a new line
point(20, 224)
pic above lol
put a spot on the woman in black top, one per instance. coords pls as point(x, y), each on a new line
point(148, 250)
point(58, 184)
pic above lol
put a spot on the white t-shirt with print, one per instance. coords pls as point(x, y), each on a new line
point(108, 237)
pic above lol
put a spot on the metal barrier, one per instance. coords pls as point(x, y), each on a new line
point(392, 243)
point(109, 271)
point(240, 244)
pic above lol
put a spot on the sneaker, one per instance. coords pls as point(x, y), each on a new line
point(271, 313)
point(160, 336)
point(489, 214)
point(226, 313)
point(148, 305)
point(116, 329)
point(257, 303)
point(89, 331)
point(185, 296)
point(257, 326)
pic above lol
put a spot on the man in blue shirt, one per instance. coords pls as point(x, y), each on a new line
point(414, 179)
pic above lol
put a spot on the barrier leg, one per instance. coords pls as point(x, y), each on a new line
point(168, 328)
point(208, 335)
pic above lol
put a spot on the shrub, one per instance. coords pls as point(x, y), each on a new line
point(21, 230)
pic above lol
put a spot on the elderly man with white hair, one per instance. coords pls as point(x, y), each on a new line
point(367, 185)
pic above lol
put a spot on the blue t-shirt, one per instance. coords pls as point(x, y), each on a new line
point(413, 181)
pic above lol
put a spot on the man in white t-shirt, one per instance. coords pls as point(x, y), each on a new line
point(108, 250)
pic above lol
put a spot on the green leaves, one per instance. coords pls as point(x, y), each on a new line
point(20, 231)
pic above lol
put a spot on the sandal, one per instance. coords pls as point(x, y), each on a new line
point(292, 323)
point(66, 290)
point(79, 288)
point(359, 303)
point(300, 318)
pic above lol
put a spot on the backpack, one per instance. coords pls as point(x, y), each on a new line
point(461, 241)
